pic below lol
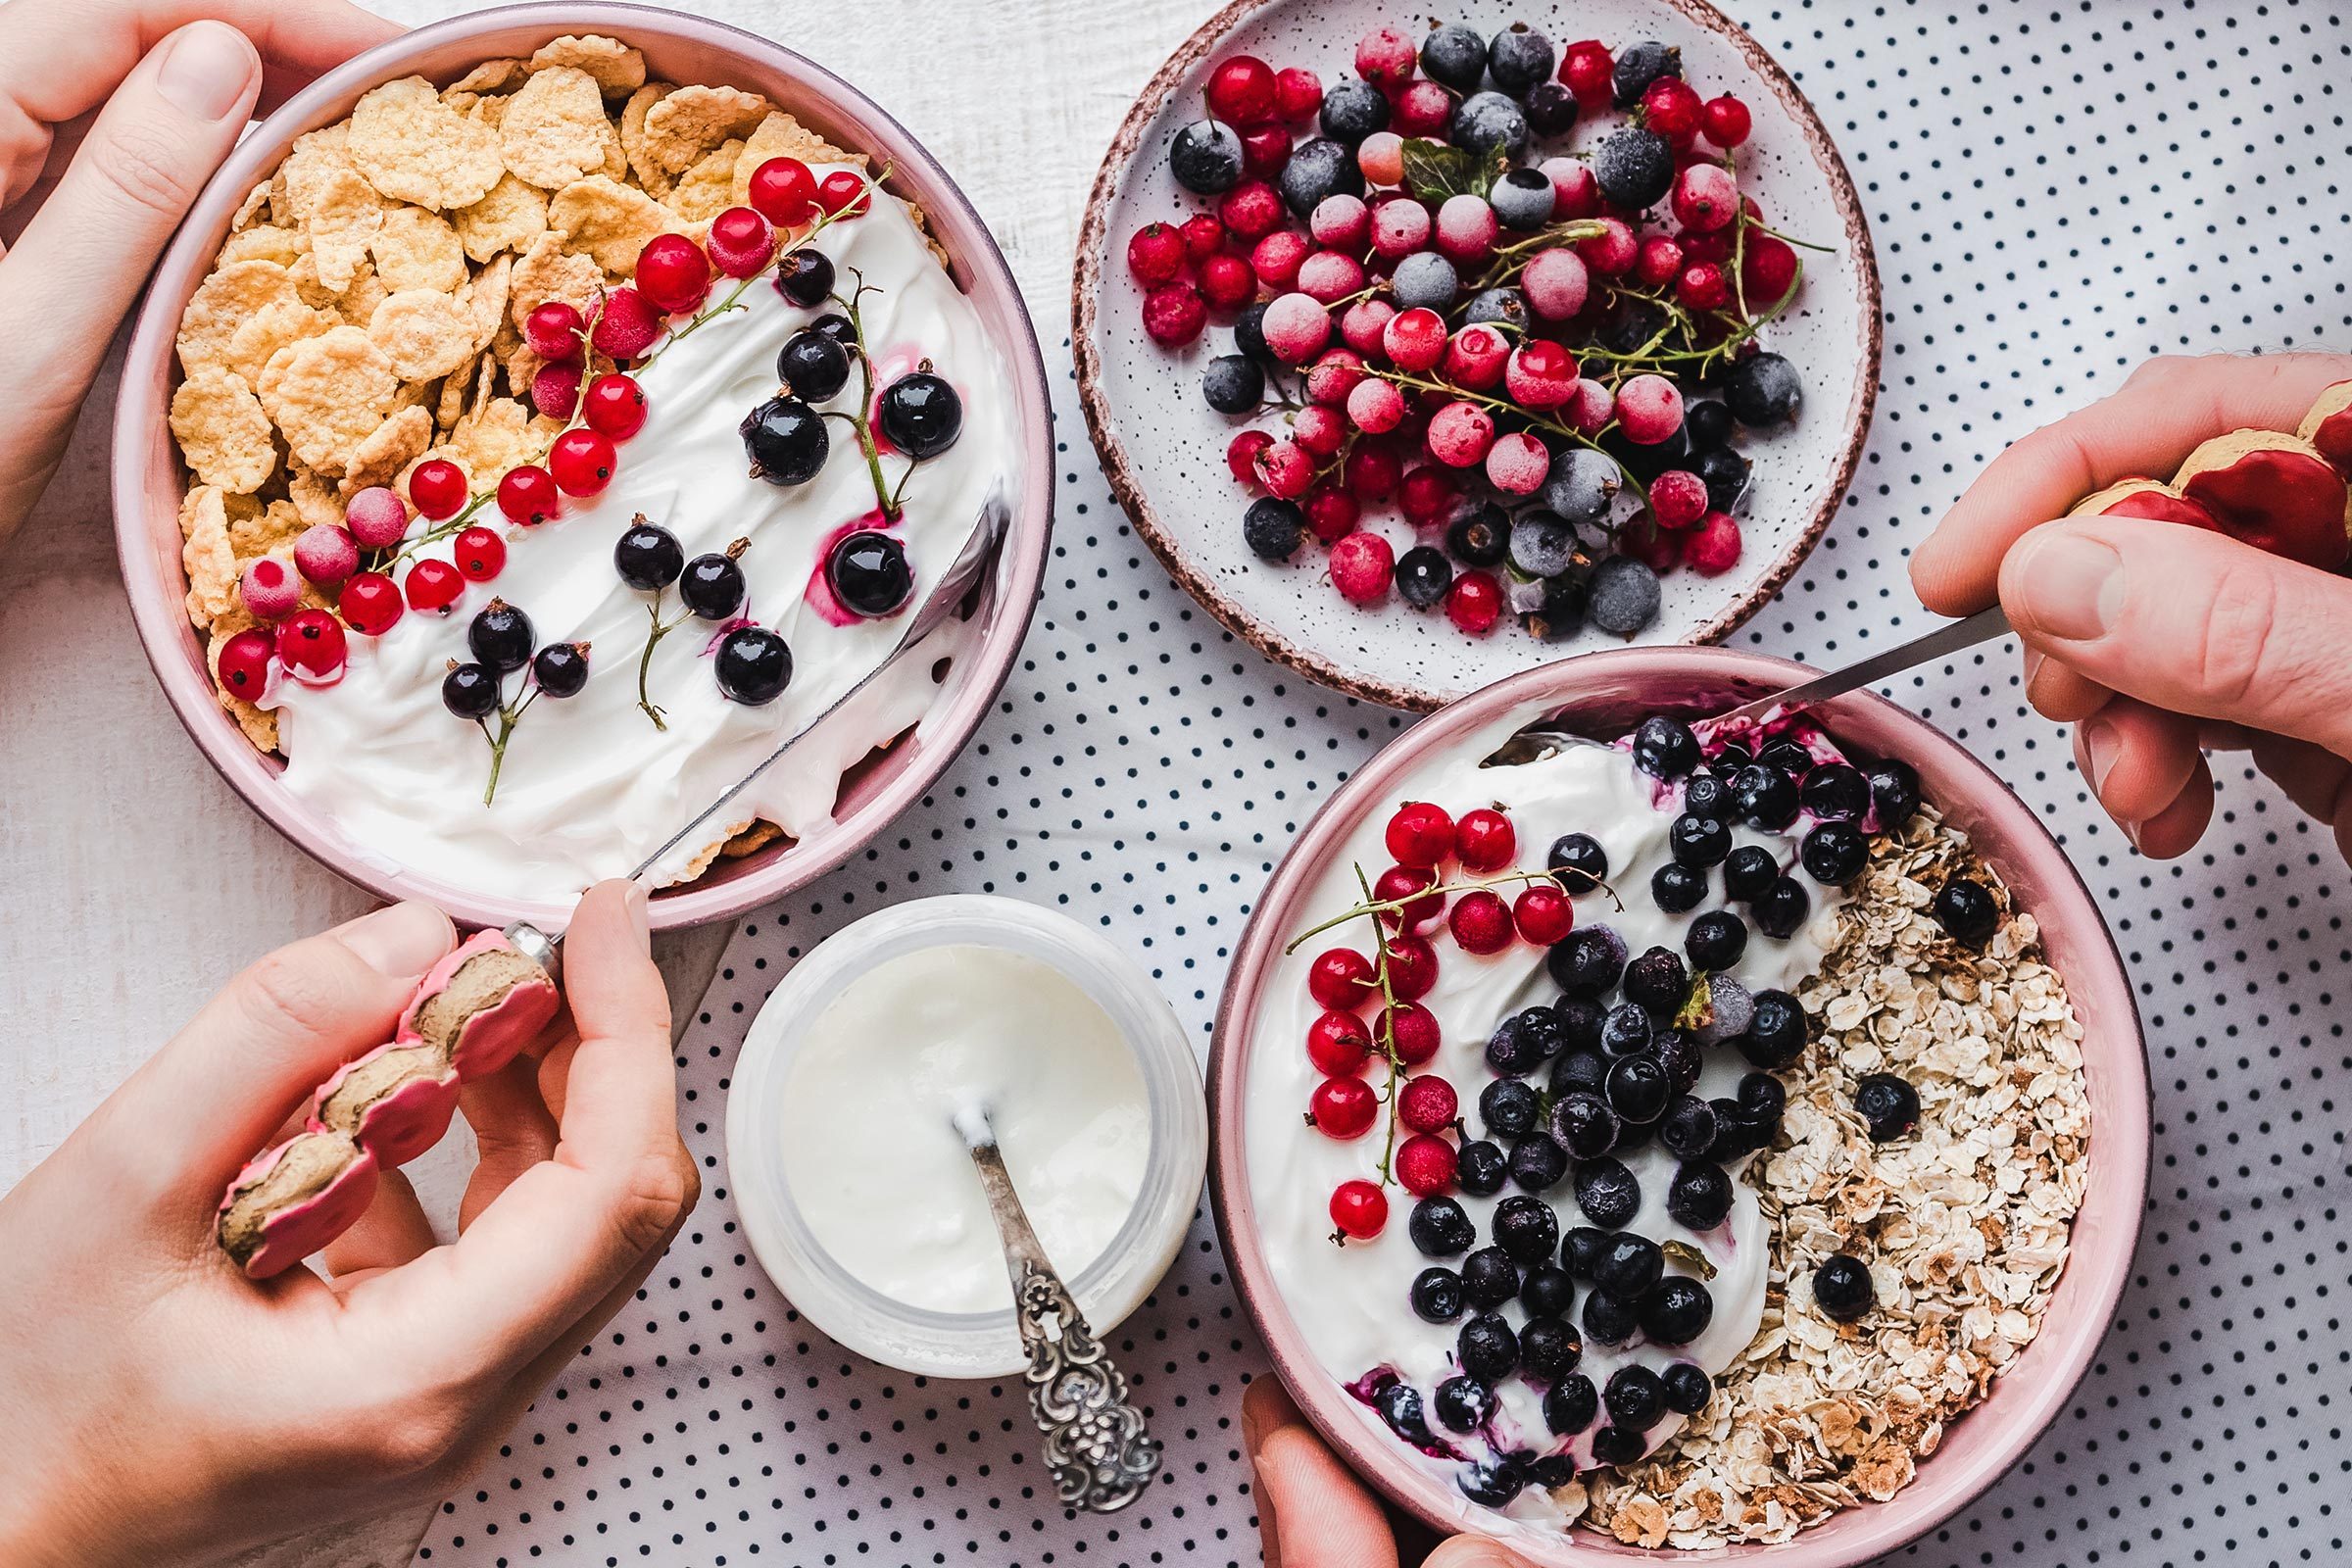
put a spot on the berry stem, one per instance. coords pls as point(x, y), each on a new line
point(886, 498)
point(1569, 433)
point(1558, 876)
point(508, 718)
point(645, 660)
point(824, 221)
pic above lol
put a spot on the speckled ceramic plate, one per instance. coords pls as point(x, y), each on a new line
point(1163, 447)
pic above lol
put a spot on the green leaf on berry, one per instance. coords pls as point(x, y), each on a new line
point(1435, 170)
point(1688, 1256)
point(1698, 1009)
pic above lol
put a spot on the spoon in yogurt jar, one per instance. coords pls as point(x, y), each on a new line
point(1096, 1443)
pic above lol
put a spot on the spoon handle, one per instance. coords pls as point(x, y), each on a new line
point(1096, 1445)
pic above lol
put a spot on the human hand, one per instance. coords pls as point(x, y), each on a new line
point(113, 115)
point(156, 1405)
point(1311, 1513)
point(2159, 641)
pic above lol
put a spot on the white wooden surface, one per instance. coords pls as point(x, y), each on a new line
point(134, 881)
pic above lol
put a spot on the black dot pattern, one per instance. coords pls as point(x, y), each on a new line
point(2057, 193)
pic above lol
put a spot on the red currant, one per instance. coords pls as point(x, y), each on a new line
point(1359, 1210)
point(613, 406)
point(1480, 922)
point(1298, 92)
point(1338, 1044)
point(1264, 151)
point(1204, 236)
point(437, 488)
point(1427, 1104)
point(1343, 1107)
point(1412, 967)
point(1542, 914)
point(528, 495)
point(843, 194)
point(673, 272)
point(1408, 882)
point(1767, 271)
point(1420, 835)
point(553, 331)
point(1659, 259)
point(556, 389)
point(433, 584)
point(1411, 1030)
point(1341, 978)
point(1426, 1166)
point(1227, 283)
point(1372, 471)
point(1587, 71)
point(627, 324)
point(311, 646)
point(783, 190)
point(481, 554)
point(740, 242)
point(581, 462)
point(1725, 122)
point(1484, 840)
point(370, 603)
point(1331, 514)
point(1241, 454)
point(1426, 495)
point(1155, 253)
point(1240, 91)
point(1474, 602)
point(1671, 106)
point(244, 663)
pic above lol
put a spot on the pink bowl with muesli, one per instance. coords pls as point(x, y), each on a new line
point(1998, 1228)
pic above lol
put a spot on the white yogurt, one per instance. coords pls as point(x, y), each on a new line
point(590, 786)
point(872, 1145)
point(1352, 1301)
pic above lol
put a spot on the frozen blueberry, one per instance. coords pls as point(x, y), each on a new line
point(1723, 473)
point(1760, 1094)
point(1640, 64)
point(1708, 796)
point(1232, 383)
point(1628, 1266)
point(1400, 1405)
point(1665, 748)
point(1607, 1193)
point(1609, 1318)
point(1843, 1287)
point(1580, 1021)
point(1625, 1029)
point(1516, 1046)
point(1488, 123)
point(1423, 574)
point(1509, 1108)
point(1250, 333)
point(1583, 485)
point(1967, 911)
point(1479, 533)
point(1562, 613)
point(1272, 527)
point(1206, 158)
point(1491, 1483)
point(1625, 595)
point(1570, 1404)
point(1749, 872)
point(1834, 854)
point(1440, 1228)
point(1635, 168)
point(1464, 1403)
point(1699, 1196)
point(1835, 792)
point(1542, 545)
point(1715, 941)
point(1537, 1163)
point(1676, 1311)
point(1548, 1292)
point(1543, 1027)
point(1353, 111)
point(1764, 796)
point(1618, 1445)
point(1581, 1070)
point(1486, 1349)
point(1519, 57)
point(1497, 307)
point(1437, 1296)
point(1894, 789)
point(1710, 424)
point(1775, 1036)
point(1581, 854)
point(1736, 1132)
point(1551, 109)
point(1763, 389)
point(1889, 1105)
point(1634, 1397)
point(1679, 1054)
point(1582, 1124)
point(1688, 1128)
point(1425, 280)
point(1782, 907)
point(1526, 1228)
point(1490, 1278)
point(1789, 756)
point(1453, 56)
point(1318, 168)
point(1581, 1249)
point(1549, 1348)
point(1638, 1090)
point(1730, 1006)
point(1481, 1169)
point(1687, 1387)
point(1658, 981)
point(1587, 962)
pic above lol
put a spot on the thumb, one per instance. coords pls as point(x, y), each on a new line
point(1311, 1513)
point(2190, 621)
point(1473, 1551)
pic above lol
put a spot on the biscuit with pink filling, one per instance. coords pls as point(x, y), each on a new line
point(480, 1004)
point(294, 1199)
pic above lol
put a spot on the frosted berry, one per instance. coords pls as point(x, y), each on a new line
point(1359, 567)
point(1251, 209)
point(1475, 358)
point(1591, 408)
point(244, 663)
point(1703, 287)
point(1359, 1210)
point(1380, 158)
point(1371, 470)
point(843, 194)
point(1422, 109)
point(740, 242)
point(1298, 92)
point(627, 325)
point(1204, 236)
point(556, 389)
point(1227, 283)
point(1705, 197)
point(1483, 840)
point(1277, 258)
point(1474, 603)
point(1297, 327)
point(1518, 464)
point(1480, 922)
point(326, 554)
point(1420, 835)
point(1240, 91)
point(1466, 227)
point(1409, 1028)
point(311, 646)
point(269, 588)
point(553, 331)
point(1542, 914)
point(1174, 314)
point(1612, 250)
point(1540, 374)
point(528, 495)
point(613, 406)
point(783, 190)
point(1649, 410)
point(1338, 1044)
point(582, 463)
point(369, 603)
point(1284, 469)
point(1335, 374)
point(1375, 406)
point(1329, 277)
point(1415, 340)
point(1155, 253)
point(673, 273)
point(1426, 496)
point(1658, 262)
point(1725, 122)
point(1555, 284)
point(437, 486)
point(1427, 1104)
point(1400, 227)
point(376, 518)
point(1678, 497)
point(1343, 1107)
point(480, 553)
point(1575, 193)
point(1340, 978)
point(1425, 1165)
point(1318, 430)
point(1461, 435)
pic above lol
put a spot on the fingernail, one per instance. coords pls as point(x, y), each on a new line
point(204, 70)
point(640, 919)
point(2073, 587)
point(403, 940)
point(2101, 742)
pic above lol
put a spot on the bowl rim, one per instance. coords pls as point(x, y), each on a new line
point(2122, 1146)
point(155, 595)
point(1120, 469)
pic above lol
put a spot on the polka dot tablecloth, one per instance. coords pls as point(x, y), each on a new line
point(2057, 195)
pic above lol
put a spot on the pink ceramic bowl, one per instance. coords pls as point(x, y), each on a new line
point(1606, 693)
point(148, 482)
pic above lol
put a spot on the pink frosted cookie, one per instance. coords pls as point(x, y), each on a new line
point(396, 1100)
point(480, 1004)
point(294, 1199)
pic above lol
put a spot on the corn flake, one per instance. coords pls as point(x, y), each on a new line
point(329, 393)
point(605, 220)
point(414, 148)
point(222, 302)
point(548, 271)
point(422, 333)
point(223, 432)
point(417, 249)
point(619, 69)
point(706, 189)
point(554, 128)
point(508, 219)
point(344, 221)
point(205, 549)
point(394, 444)
point(689, 122)
point(490, 76)
point(633, 143)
